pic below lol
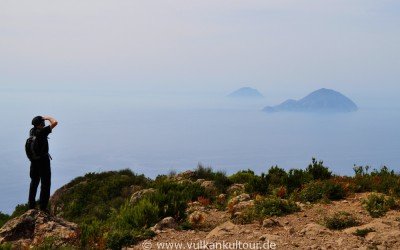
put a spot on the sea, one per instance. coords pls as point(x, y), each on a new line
point(155, 134)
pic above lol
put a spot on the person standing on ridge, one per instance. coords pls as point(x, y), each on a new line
point(38, 154)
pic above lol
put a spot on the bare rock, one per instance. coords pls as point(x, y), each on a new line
point(221, 199)
point(239, 203)
point(236, 189)
point(223, 230)
point(290, 230)
point(137, 196)
point(377, 225)
point(197, 218)
point(208, 186)
point(187, 175)
point(244, 205)
point(269, 222)
point(237, 199)
point(135, 188)
point(33, 227)
point(269, 237)
point(195, 206)
point(387, 238)
point(314, 229)
point(166, 223)
point(240, 198)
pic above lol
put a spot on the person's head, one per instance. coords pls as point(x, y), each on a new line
point(38, 122)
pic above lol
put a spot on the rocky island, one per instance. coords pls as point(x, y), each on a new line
point(246, 93)
point(320, 101)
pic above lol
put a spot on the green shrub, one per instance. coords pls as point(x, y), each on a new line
point(319, 190)
point(312, 192)
point(202, 172)
point(334, 190)
point(6, 246)
point(378, 205)
point(107, 193)
point(363, 232)
point(92, 233)
point(141, 215)
point(3, 218)
point(341, 220)
point(172, 197)
point(276, 177)
point(258, 184)
point(20, 209)
point(247, 216)
point(297, 178)
point(381, 181)
point(117, 239)
point(50, 243)
point(318, 171)
point(130, 223)
point(385, 181)
point(274, 206)
point(362, 179)
point(221, 181)
point(243, 176)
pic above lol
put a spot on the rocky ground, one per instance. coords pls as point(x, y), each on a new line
point(302, 230)
point(34, 227)
point(215, 229)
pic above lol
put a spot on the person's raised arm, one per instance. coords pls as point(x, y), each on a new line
point(53, 122)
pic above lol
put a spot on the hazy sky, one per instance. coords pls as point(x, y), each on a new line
point(168, 46)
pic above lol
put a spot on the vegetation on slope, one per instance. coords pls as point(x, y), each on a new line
point(101, 202)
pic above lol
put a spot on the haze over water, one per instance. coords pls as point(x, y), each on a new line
point(156, 134)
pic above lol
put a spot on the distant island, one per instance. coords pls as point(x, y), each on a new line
point(246, 93)
point(320, 101)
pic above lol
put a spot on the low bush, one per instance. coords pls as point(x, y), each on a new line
point(382, 181)
point(20, 209)
point(6, 246)
point(172, 197)
point(318, 171)
point(3, 218)
point(106, 194)
point(334, 190)
point(117, 239)
point(243, 176)
point(297, 178)
point(141, 215)
point(50, 243)
point(340, 220)
point(276, 177)
point(265, 207)
point(312, 192)
point(378, 205)
point(221, 181)
point(201, 172)
point(92, 234)
point(274, 206)
point(253, 183)
point(322, 190)
point(247, 216)
point(363, 232)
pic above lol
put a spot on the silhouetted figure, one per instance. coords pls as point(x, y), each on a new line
point(38, 152)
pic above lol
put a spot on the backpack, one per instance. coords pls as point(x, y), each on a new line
point(32, 148)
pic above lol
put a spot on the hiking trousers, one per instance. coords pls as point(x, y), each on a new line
point(40, 172)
